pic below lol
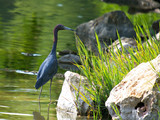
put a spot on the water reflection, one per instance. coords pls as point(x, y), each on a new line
point(37, 116)
point(20, 71)
point(18, 97)
point(19, 114)
point(26, 39)
point(30, 54)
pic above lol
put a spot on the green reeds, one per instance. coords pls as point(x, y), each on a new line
point(107, 69)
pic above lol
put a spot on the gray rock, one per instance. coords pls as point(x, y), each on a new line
point(106, 28)
point(137, 95)
point(70, 67)
point(69, 58)
point(70, 100)
point(67, 62)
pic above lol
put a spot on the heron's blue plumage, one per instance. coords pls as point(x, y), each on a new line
point(46, 71)
point(50, 65)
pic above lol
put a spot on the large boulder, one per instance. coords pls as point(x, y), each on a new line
point(70, 99)
point(137, 95)
point(106, 28)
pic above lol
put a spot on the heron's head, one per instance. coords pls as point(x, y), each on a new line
point(62, 27)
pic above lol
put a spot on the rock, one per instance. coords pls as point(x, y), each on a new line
point(64, 52)
point(68, 67)
point(69, 59)
point(69, 101)
point(61, 115)
point(157, 36)
point(137, 95)
point(155, 26)
point(106, 28)
point(137, 5)
point(126, 43)
point(67, 62)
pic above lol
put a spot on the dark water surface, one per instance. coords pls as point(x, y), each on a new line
point(26, 37)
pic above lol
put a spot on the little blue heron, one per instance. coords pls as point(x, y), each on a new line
point(49, 67)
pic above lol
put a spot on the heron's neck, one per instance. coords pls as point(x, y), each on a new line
point(55, 42)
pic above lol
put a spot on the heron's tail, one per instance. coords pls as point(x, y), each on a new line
point(38, 84)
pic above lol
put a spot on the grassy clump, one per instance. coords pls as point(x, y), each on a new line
point(108, 68)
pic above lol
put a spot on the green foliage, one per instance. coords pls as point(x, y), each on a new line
point(106, 70)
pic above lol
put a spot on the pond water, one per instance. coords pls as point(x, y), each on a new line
point(26, 37)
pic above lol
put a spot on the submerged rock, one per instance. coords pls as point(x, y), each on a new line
point(67, 62)
point(137, 95)
point(106, 28)
point(69, 59)
point(70, 99)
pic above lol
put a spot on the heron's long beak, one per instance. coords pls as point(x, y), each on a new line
point(67, 28)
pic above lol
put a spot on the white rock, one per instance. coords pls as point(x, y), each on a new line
point(157, 36)
point(136, 96)
point(62, 115)
point(69, 101)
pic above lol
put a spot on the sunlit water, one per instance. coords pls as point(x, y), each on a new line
point(19, 99)
point(26, 37)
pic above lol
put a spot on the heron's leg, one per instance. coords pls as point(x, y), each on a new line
point(50, 89)
point(48, 110)
point(39, 99)
point(50, 99)
point(40, 93)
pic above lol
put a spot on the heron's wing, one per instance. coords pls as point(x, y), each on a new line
point(47, 69)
